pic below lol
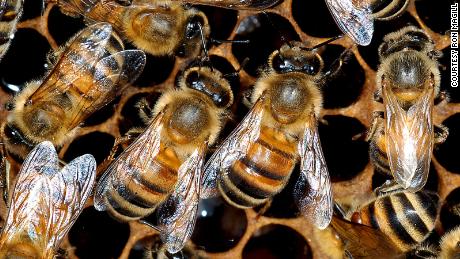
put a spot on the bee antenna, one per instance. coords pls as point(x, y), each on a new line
point(243, 64)
point(282, 36)
point(148, 224)
point(323, 43)
point(212, 40)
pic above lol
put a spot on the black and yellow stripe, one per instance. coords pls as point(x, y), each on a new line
point(10, 13)
point(406, 218)
point(261, 173)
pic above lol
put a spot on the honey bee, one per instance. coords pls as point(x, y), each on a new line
point(408, 81)
point(45, 203)
point(450, 245)
point(10, 13)
point(388, 226)
point(256, 161)
point(357, 20)
point(91, 69)
point(157, 27)
point(163, 166)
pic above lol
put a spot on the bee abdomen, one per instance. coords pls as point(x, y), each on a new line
point(379, 157)
point(258, 176)
point(406, 218)
point(11, 13)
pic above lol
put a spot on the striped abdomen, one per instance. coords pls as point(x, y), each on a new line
point(406, 218)
point(263, 172)
point(10, 12)
point(138, 196)
point(377, 153)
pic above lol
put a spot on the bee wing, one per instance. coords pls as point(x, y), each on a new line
point(30, 210)
point(70, 188)
point(312, 191)
point(235, 4)
point(409, 138)
point(135, 159)
point(234, 147)
point(363, 241)
point(357, 23)
point(178, 213)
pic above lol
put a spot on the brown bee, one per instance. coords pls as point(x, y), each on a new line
point(163, 165)
point(157, 27)
point(408, 82)
point(356, 18)
point(91, 69)
point(45, 203)
point(389, 226)
point(256, 161)
point(450, 245)
point(10, 13)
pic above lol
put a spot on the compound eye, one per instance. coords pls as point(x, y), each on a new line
point(194, 27)
point(303, 64)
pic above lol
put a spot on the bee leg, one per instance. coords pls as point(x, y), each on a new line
point(441, 133)
point(150, 225)
point(61, 253)
point(132, 133)
point(145, 111)
point(264, 209)
point(390, 186)
point(337, 64)
point(443, 96)
point(339, 211)
point(5, 168)
point(348, 255)
point(376, 124)
point(124, 2)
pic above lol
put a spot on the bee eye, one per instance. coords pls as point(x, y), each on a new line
point(194, 27)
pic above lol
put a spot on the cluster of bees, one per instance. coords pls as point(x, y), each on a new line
point(164, 169)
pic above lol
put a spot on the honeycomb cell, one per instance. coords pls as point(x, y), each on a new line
point(219, 226)
point(444, 152)
point(382, 28)
point(266, 32)
point(22, 62)
point(86, 143)
point(31, 9)
point(222, 21)
point(276, 241)
point(131, 113)
point(156, 70)
point(102, 114)
point(62, 27)
point(344, 86)
point(345, 157)
point(96, 235)
point(321, 24)
point(435, 14)
point(450, 211)
point(152, 247)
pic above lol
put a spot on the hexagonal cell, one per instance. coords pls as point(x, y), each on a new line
point(344, 87)
point(435, 14)
point(444, 152)
point(31, 9)
point(130, 114)
point(450, 211)
point(266, 32)
point(85, 145)
point(62, 27)
point(276, 241)
point(102, 114)
point(370, 53)
point(321, 24)
point(96, 235)
point(219, 226)
point(222, 21)
point(22, 63)
point(152, 248)
point(345, 157)
point(156, 70)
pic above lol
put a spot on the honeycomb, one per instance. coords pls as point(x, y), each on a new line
point(221, 230)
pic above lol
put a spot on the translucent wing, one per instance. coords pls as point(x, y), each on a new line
point(236, 4)
point(312, 191)
point(409, 138)
point(178, 213)
point(31, 197)
point(357, 23)
point(126, 169)
point(363, 241)
point(70, 188)
point(233, 148)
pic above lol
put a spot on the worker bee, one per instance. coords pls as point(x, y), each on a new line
point(91, 69)
point(45, 203)
point(257, 159)
point(357, 21)
point(450, 245)
point(408, 81)
point(157, 27)
point(10, 13)
point(389, 226)
point(163, 166)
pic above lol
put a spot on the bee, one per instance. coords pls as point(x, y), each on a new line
point(45, 203)
point(91, 69)
point(357, 20)
point(10, 13)
point(388, 226)
point(256, 161)
point(157, 27)
point(163, 166)
point(408, 82)
point(450, 245)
